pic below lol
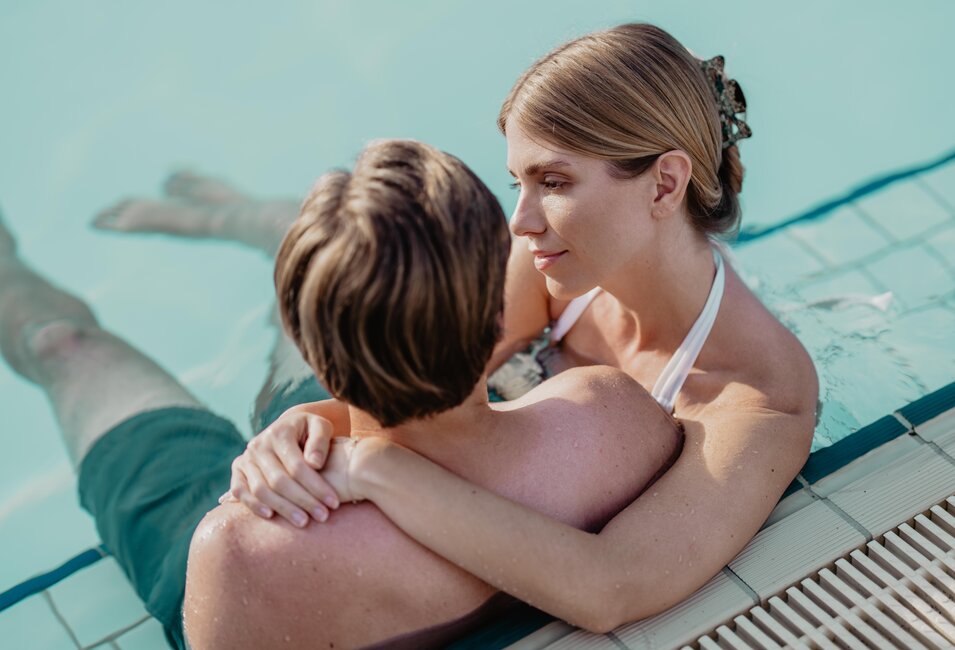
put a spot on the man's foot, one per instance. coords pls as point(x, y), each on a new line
point(201, 189)
point(201, 207)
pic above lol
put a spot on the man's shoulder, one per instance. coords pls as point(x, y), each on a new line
point(263, 575)
point(600, 396)
point(593, 385)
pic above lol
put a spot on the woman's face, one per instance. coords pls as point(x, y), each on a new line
point(581, 224)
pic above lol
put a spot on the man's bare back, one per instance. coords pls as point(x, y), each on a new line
point(563, 449)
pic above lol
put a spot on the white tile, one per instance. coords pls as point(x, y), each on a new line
point(794, 502)
point(717, 601)
point(543, 637)
point(145, 636)
point(793, 548)
point(942, 180)
point(98, 601)
point(947, 444)
point(913, 275)
point(841, 237)
point(904, 209)
point(898, 490)
point(32, 624)
point(867, 464)
point(941, 424)
point(775, 260)
point(944, 243)
point(837, 285)
point(42, 526)
point(924, 340)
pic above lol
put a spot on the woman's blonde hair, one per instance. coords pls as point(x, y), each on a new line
point(391, 281)
point(627, 95)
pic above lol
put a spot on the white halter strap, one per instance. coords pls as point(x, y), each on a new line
point(671, 380)
point(571, 313)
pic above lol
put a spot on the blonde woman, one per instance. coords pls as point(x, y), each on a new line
point(624, 148)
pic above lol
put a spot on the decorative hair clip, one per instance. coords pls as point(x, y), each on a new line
point(729, 100)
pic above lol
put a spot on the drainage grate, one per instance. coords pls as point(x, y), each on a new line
point(896, 592)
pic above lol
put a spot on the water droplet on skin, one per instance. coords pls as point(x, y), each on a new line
point(655, 493)
point(245, 601)
point(666, 572)
point(287, 638)
point(358, 572)
point(618, 585)
point(680, 560)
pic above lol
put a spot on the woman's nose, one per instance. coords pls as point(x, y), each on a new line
point(527, 218)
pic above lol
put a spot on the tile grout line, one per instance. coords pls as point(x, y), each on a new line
point(112, 636)
point(734, 577)
point(928, 189)
point(841, 513)
point(873, 223)
point(929, 443)
point(59, 617)
point(810, 250)
point(616, 641)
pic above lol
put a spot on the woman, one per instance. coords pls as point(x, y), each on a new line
point(623, 146)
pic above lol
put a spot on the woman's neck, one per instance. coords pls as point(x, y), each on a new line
point(663, 290)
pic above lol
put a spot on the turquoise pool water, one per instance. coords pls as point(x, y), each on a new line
point(102, 101)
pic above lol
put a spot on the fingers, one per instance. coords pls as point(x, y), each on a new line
point(239, 491)
point(271, 484)
point(289, 454)
point(320, 433)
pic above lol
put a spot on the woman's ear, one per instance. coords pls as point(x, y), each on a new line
point(671, 174)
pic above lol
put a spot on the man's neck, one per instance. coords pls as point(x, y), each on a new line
point(421, 433)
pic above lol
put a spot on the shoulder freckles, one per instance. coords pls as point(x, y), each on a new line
point(602, 381)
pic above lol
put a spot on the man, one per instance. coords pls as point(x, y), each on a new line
point(391, 285)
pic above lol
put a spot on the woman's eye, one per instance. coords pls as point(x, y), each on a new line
point(553, 185)
point(515, 186)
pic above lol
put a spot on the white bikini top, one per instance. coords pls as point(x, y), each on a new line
point(675, 373)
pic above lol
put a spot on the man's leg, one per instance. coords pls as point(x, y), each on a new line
point(199, 207)
point(202, 207)
point(93, 379)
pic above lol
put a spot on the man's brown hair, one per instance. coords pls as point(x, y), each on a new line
point(391, 280)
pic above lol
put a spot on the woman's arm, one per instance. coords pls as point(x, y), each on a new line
point(652, 555)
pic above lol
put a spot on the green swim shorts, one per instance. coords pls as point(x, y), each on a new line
point(148, 482)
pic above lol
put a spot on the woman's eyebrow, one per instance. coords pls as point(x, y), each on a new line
point(536, 167)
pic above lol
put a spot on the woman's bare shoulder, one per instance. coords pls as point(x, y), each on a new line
point(766, 365)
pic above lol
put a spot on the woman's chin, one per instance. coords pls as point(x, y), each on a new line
point(566, 291)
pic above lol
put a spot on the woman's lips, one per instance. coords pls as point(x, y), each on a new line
point(544, 260)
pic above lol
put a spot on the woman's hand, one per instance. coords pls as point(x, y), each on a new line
point(278, 472)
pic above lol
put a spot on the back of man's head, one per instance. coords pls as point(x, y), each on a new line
point(391, 281)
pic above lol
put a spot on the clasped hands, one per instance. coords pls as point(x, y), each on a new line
point(296, 467)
